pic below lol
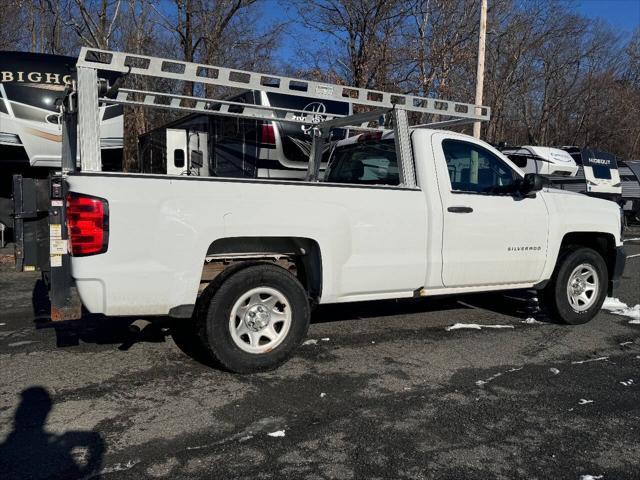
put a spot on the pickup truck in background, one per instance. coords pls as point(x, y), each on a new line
point(409, 213)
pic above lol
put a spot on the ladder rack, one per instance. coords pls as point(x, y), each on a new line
point(214, 75)
point(370, 104)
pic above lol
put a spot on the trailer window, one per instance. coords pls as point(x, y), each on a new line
point(475, 169)
point(602, 172)
point(365, 163)
point(178, 158)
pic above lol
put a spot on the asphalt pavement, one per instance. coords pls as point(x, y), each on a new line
point(383, 391)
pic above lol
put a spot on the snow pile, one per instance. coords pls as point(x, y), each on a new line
point(279, 433)
point(474, 326)
point(613, 304)
point(555, 371)
point(532, 321)
point(591, 477)
point(617, 307)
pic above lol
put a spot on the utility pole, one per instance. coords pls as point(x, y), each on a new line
point(480, 71)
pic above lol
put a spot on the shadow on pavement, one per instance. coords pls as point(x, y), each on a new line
point(514, 303)
point(97, 329)
point(382, 308)
point(31, 452)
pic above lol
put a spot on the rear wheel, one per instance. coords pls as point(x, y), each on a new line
point(255, 319)
point(578, 287)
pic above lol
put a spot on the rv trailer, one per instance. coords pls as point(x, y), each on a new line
point(31, 86)
point(242, 147)
point(542, 160)
point(588, 171)
point(630, 178)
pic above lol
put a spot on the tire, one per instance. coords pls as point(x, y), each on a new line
point(587, 271)
point(271, 318)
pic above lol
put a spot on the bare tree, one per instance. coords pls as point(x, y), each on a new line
point(94, 21)
point(11, 28)
point(362, 33)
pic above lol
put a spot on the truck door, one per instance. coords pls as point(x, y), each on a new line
point(176, 152)
point(490, 236)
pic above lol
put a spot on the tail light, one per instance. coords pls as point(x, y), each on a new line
point(268, 134)
point(87, 224)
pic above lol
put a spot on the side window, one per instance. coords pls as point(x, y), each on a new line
point(178, 158)
point(475, 169)
point(365, 163)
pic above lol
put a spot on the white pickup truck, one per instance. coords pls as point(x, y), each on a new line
point(358, 236)
point(452, 216)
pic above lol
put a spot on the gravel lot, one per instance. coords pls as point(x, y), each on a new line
point(385, 392)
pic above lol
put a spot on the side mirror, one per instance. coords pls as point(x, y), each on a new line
point(531, 183)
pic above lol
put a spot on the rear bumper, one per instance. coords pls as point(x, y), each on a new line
point(618, 269)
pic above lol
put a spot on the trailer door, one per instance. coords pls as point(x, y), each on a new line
point(177, 152)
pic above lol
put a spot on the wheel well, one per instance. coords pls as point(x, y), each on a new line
point(301, 256)
point(603, 243)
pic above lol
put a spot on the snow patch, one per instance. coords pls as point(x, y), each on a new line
point(532, 321)
point(19, 344)
point(314, 341)
point(617, 307)
point(474, 326)
point(118, 467)
point(591, 477)
point(555, 371)
point(628, 383)
point(480, 383)
point(322, 395)
point(584, 401)
point(625, 343)
point(278, 433)
point(611, 303)
point(599, 359)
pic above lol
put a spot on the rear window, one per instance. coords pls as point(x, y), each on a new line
point(365, 163)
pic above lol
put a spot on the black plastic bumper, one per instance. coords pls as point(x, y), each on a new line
point(618, 269)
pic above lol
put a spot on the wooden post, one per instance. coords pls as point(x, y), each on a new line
point(480, 71)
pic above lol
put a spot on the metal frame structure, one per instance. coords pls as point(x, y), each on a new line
point(92, 92)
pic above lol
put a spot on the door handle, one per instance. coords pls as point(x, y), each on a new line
point(460, 209)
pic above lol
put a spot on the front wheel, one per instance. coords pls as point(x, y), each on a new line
point(578, 287)
point(255, 319)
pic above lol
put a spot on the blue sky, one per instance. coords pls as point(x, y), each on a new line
point(623, 15)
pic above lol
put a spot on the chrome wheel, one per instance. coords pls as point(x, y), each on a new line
point(583, 287)
point(260, 320)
